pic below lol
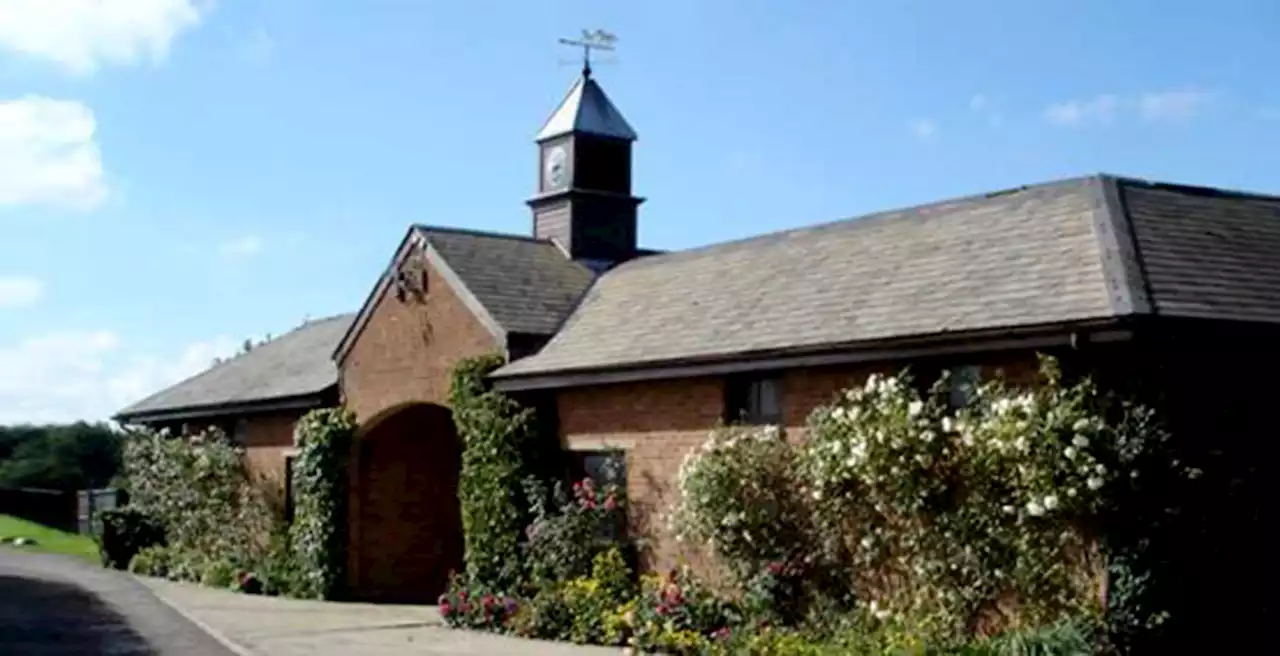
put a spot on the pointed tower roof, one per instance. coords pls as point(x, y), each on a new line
point(586, 109)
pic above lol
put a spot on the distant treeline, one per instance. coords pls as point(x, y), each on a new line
point(59, 456)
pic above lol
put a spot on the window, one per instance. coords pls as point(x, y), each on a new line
point(600, 466)
point(753, 400)
point(240, 432)
point(962, 384)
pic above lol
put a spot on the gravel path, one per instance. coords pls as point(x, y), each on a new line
point(57, 605)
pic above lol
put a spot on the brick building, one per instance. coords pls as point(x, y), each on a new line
point(635, 354)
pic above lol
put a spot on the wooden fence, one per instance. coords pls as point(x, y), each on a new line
point(76, 512)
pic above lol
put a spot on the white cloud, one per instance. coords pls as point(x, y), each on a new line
point(258, 47)
point(81, 35)
point(67, 376)
point(1099, 109)
point(19, 291)
point(924, 129)
point(986, 106)
point(1172, 106)
point(1151, 106)
point(242, 246)
point(48, 155)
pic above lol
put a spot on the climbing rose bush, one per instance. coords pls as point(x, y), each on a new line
point(941, 518)
point(737, 495)
point(200, 490)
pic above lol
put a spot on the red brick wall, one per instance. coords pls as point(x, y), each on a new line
point(267, 441)
point(407, 350)
point(404, 357)
point(658, 423)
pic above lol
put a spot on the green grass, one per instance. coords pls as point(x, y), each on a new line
point(48, 540)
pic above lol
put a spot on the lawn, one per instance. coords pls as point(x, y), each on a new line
point(47, 539)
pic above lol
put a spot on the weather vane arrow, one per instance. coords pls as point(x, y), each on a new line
point(591, 40)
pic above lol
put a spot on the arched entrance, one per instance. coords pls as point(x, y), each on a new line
point(407, 528)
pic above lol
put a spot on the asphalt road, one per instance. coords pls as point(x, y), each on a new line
point(57, 605)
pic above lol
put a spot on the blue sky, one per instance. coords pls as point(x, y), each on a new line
point(177, 175)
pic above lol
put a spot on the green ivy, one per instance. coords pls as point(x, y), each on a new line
point(318, 536)
point(496, 433)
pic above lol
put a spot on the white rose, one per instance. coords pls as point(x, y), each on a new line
point(1080, 441)
point(1050, 502)
point(914, 408)
point(1094, 482)
point(1035, 509)
point(1069, 452)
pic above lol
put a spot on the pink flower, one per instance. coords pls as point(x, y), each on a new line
point(610, 503)
point(720, 633)
point(446, 608)
point(775, 568)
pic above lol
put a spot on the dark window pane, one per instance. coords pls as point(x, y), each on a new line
point(768, 404)
point(962, 384)
point(600, 466)
point(288, 489)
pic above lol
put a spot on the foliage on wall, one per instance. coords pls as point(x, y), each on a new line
point(945, 520)
point(199, 489)
point(496, 433)
point(318, 535)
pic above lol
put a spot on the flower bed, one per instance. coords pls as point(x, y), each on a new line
point(901, 523)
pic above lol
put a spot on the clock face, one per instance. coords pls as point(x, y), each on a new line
point(557, 167)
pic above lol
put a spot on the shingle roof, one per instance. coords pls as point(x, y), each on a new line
point(586, 109)
point(1061, 252)
point(527, 285)
point(1207, 253)
point(295, 364)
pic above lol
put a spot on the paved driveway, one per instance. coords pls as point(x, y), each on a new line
point(56, 605)
point(259, 625)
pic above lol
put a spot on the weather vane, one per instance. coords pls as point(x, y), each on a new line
point(597, 40)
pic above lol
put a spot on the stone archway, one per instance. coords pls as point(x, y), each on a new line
point(406, 523)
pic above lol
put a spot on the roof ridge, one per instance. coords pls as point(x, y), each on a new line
point(478, 233)
point(860, 218)
point(1124, 270)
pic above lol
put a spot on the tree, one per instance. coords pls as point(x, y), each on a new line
point(59, 456)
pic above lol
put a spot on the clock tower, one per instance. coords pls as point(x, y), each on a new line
point(584, 199)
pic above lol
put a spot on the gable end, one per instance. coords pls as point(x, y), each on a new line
point(412, 242)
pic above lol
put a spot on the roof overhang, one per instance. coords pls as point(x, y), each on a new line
point(886, 350)
point(303, 402)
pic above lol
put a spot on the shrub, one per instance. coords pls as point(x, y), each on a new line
point(464, 608)
point(562, 545)
point(199, 489)
point(593, 601)
point(544, 616)
point(496, 433)
point(677, 614)
point(280, 573)
point(151, 561)
point(738, 496)
point(219, 573)
point(318, 536)
point(951, 519)
point(125, 532)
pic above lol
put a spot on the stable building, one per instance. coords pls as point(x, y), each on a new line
point(636, 354)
